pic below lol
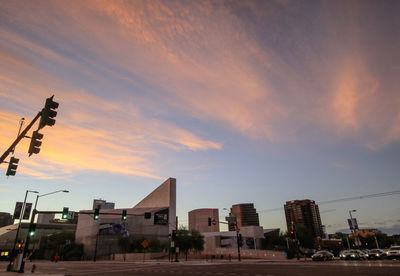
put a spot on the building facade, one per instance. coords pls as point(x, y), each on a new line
point(306, 213)
point(153, 217)
point(102, 204)
point(245, 215)
point(5, 219)
point(199, 220)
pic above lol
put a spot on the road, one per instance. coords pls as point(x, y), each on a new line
point(250, 267)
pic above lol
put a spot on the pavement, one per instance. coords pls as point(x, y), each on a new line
point(255, 267)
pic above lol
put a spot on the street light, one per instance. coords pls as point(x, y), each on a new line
point(19, 226)
point(21, 270)
point(37, 197)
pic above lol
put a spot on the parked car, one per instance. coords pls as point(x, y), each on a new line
point(394, 252)
point(376, 254)
point(322, 256)
point(352, 254)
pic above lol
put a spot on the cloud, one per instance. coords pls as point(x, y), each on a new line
point(206, 61)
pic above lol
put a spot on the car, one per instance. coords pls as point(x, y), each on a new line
point(394, 252)
point(322, 256)
point(376, 254)
point(352, 254)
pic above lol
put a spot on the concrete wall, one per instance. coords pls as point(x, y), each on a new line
point(163, 195)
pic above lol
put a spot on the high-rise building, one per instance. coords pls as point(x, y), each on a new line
point(204, 220)
point(306, 213)
point(245, 214)
point(102, 204)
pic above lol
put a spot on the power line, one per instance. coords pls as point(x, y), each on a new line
point(342, 200)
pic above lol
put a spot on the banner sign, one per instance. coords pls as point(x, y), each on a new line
point(117, 229)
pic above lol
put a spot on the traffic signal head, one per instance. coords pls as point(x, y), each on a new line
point(292, 234)
point(96, 214)
point(48, 113)
point(173, 234)
point(32, 230)
point(12, 166)
point(209, 221)
point(124, 215)
point(20, 244)
point(34, 147)
point(65, 213)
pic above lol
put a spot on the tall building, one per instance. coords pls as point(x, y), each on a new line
point(102, 204)
point(199, 219)
point(245, 214)
point(304, 212)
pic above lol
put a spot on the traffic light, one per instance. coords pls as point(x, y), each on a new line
point(147, 215)
point(32, 230)
point(292, 235)
point(48, 113)
point(209, 221)
point(12, 166)
point(34, 147)
point(173, 234)
point(96, 214)
point(124, 215)
point(20, 244)
point(65, 213)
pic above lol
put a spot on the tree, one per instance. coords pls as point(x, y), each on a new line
point(274, 241)
point(190, 241)
point(304, 236)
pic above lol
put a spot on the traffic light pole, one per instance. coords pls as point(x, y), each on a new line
point(237, 239)
point(28, 238)
point(19, 138)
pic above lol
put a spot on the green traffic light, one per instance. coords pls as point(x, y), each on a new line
point(31, 233)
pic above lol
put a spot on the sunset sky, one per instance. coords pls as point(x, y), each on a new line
point(240, 101)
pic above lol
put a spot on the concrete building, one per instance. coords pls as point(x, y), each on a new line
point(245, 214)
point(153, 217)
point(306, 213)
point(198, 220)
point(45, 218)
point(5, 219)
point(102, 204)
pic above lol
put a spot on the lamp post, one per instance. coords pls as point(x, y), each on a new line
point(19, 225)
point(21, 270)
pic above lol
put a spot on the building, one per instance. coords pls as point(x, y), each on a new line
point(153, 217)
point(245, 215)
point(102, 204)
point(306, 213)
point(45, 218)
point(199, 220)
point(5, 219)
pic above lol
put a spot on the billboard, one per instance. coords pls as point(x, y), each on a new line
point(27, 212)
point(115, 229)
point(18, 209)
point(161, 217)
point(353, 224)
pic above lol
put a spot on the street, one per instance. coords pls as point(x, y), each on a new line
point(247, 267)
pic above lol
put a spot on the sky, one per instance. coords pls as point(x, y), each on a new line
point(241, 101)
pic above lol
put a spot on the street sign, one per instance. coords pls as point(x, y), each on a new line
point(230, 218)
point(145, 244)
point(214, 222)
